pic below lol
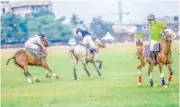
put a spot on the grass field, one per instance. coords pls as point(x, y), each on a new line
point(118, 88)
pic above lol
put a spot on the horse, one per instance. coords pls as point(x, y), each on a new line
point(139, 44)
point(163, 58)
point(23, 58)
point(82, 53)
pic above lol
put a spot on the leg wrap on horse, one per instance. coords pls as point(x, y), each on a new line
point(26, 74)
point(162, 79)
point(139, 79)
point(151, 83)
point(170, 76)
point(100, 65)
point(75, 76)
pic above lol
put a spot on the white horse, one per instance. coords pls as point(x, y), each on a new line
point(82, 53)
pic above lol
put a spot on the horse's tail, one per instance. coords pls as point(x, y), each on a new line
point(9, 60)
point(71, 52)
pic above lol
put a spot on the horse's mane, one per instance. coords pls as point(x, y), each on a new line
point(47, 43)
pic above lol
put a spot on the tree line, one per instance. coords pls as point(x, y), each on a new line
point(15, 28)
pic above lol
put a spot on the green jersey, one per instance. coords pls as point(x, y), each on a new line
point(138, 35)
point(155, 29)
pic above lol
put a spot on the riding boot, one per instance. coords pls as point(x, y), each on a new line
point(152, 54)
point(155, 55)
point(92, 50)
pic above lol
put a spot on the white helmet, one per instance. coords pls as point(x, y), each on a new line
point(151, 17)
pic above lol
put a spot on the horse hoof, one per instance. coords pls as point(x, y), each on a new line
point(29, 81)
point(139, 84)
point(167, 83)
point(101, 76)
point(165, 86)
point(74, 78)
point(154, 85)
point(37, 80)
point(48, 76)
point(57, 77)
point(91, 77)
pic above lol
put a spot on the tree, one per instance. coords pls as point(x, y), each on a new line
point(74, 20)
point(13, 28)
point(100, 27)
point(16, 28)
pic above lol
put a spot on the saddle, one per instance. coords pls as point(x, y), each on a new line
point(33, 52)
point(89, 48)
point(146, 50)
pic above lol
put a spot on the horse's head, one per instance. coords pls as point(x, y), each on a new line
point(168, 35)
point(99, 42)
point(45, 43)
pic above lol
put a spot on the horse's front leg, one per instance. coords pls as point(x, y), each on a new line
point(100, 64)
point(162, 75)
point(49, 72)
point(85, 68)
point(170, 74)
point(150, 75)
point(97, 69)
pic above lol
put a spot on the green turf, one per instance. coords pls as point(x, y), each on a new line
point(118, 88)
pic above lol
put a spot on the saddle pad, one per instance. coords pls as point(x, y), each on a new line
point(32, 52)
point(146, 51)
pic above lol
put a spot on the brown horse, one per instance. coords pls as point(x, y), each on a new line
point(139, 44)
point(23, 58)
point(163, 58)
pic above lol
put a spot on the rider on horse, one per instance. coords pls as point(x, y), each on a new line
point(139, 41)
point(156, 29)
point(34, 43)
point(87, 39)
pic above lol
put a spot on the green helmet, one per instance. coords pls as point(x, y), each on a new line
point(151, 17)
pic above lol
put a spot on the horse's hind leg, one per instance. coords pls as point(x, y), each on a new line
point(170, 74)
point(139, 71)
point(28, 75)
point(97, 69)
point(74, 71)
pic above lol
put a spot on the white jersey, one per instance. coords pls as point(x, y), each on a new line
point(34, 40)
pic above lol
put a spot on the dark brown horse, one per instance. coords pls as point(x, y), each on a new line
point(23, 58)
point(163, 58)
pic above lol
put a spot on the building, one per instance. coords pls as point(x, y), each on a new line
point(24, 7)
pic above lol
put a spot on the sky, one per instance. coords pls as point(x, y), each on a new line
point(108, 9)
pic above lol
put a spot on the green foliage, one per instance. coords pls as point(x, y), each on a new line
point(15, 28)
point(74, 20)
point(100, 27)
